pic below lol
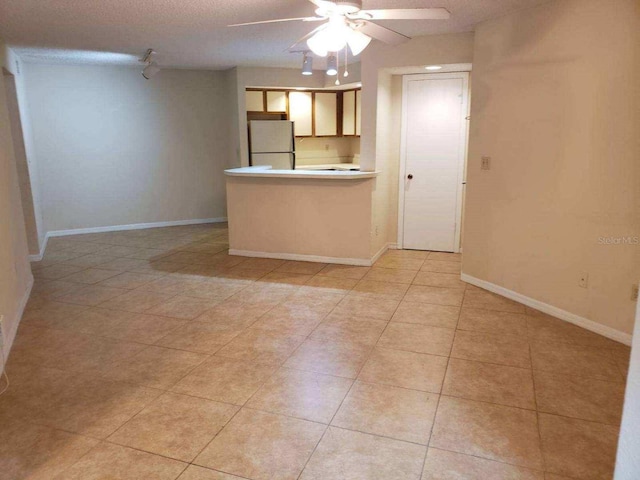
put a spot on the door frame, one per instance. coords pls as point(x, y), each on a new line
point(464, 144)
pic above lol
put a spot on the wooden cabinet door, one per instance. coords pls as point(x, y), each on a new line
point(301, 113)
point(349, 113)
point(254, 100)
point(276, 101)
point(358, 112)
point(326, 114)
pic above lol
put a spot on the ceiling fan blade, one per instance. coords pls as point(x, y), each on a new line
point(278, 20)
point(320, 3)
point(406, 14)
point(308, 35)
point(381, 33)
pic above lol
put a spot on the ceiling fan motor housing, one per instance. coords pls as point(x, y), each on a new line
point(346, 7)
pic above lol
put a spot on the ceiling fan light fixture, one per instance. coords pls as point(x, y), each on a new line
point(307, 64)
point(332, 65)
point(357, 41)
point(316, 45)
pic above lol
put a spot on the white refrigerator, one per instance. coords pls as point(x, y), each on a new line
point(271, 142)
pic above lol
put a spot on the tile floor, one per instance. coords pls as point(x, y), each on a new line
point(154, 354)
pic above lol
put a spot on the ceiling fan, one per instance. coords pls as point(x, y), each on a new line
point(345, 23)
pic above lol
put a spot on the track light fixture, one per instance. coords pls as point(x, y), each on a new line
point(151, 67)
point(332, 65)
point(307, 64)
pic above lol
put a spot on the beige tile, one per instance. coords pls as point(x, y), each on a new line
point(490, 321)
point(370, 306)
point(216, 290)
point(144, 328)
point(128, 280)
point(236, 312)
point(292, 319)
point(261, 445)
point(388, 411)
point(201, 337)
point(495, 432)
point(307, 268)
point(241, 274)
point(175, 426)
point(415, 254)
point(436, 279)
point(91, 275)
point(94, 321)
point(285, 278)
point(443, 465)
point(381, 289)
point(344, 454)
point(394, 275)
point(336, 328)
point(265, 294)
point(296, 393)
point(544, 328)
point(332, 284)
point(261, 264)
point(427, 314)
point(55, 272)
point(172, 284)
point(577, 397)
point(405, 369)
point(435, 295)
point(577, 448)
point(396, 261)
point(137, 301)
point(108, 461)
point(96, 407)
point(194, 472)
point(575, 360)
point(183, 307)
point(225, 380)
point(445, 257)
point(90, 260)
point(417, 338)
point(440, 267)
point(38, 453)
point(91, 295)
point(486, 382)
point(51, 314)
point(155, 367)
point(342, 359)
point(344, 271)
point(261, 347)
point(478, 298)
point(484, 347)
point(53, 288)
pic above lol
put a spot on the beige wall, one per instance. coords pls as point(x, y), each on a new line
point(115, 149)
point(556, 104)
point(322, 218)
point(15, 272)
point(382, 113)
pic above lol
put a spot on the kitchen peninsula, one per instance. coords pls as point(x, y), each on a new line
point(308, 215)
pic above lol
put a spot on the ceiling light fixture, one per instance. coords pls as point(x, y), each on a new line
point(332, 65)
point(433, 68)
point(307, 64)
point(152, 67)
point(336, 35)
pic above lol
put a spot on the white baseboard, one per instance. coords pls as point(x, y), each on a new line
point(358, 262)
point(585, 323)
point(361, 262)
point(10, 336)
point(382, 251)
point(120, 228)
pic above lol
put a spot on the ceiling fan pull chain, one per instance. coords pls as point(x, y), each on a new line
point(346, 61)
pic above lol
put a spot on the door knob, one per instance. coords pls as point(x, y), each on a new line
point(410, 176)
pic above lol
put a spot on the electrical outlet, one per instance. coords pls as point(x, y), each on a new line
point(486, 163)
point(634, 292)
point(584, 280)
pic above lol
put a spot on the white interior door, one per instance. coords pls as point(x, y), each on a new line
point(434, 137)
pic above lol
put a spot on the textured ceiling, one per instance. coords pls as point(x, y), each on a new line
point(193, 33)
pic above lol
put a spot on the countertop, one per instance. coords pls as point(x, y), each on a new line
point(330, 166)
point(266, 171)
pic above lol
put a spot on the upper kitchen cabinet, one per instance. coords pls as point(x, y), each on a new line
point(301, 112)
point(276, 101)
point(325, 114)
point(254, 100)
point(349, 113)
